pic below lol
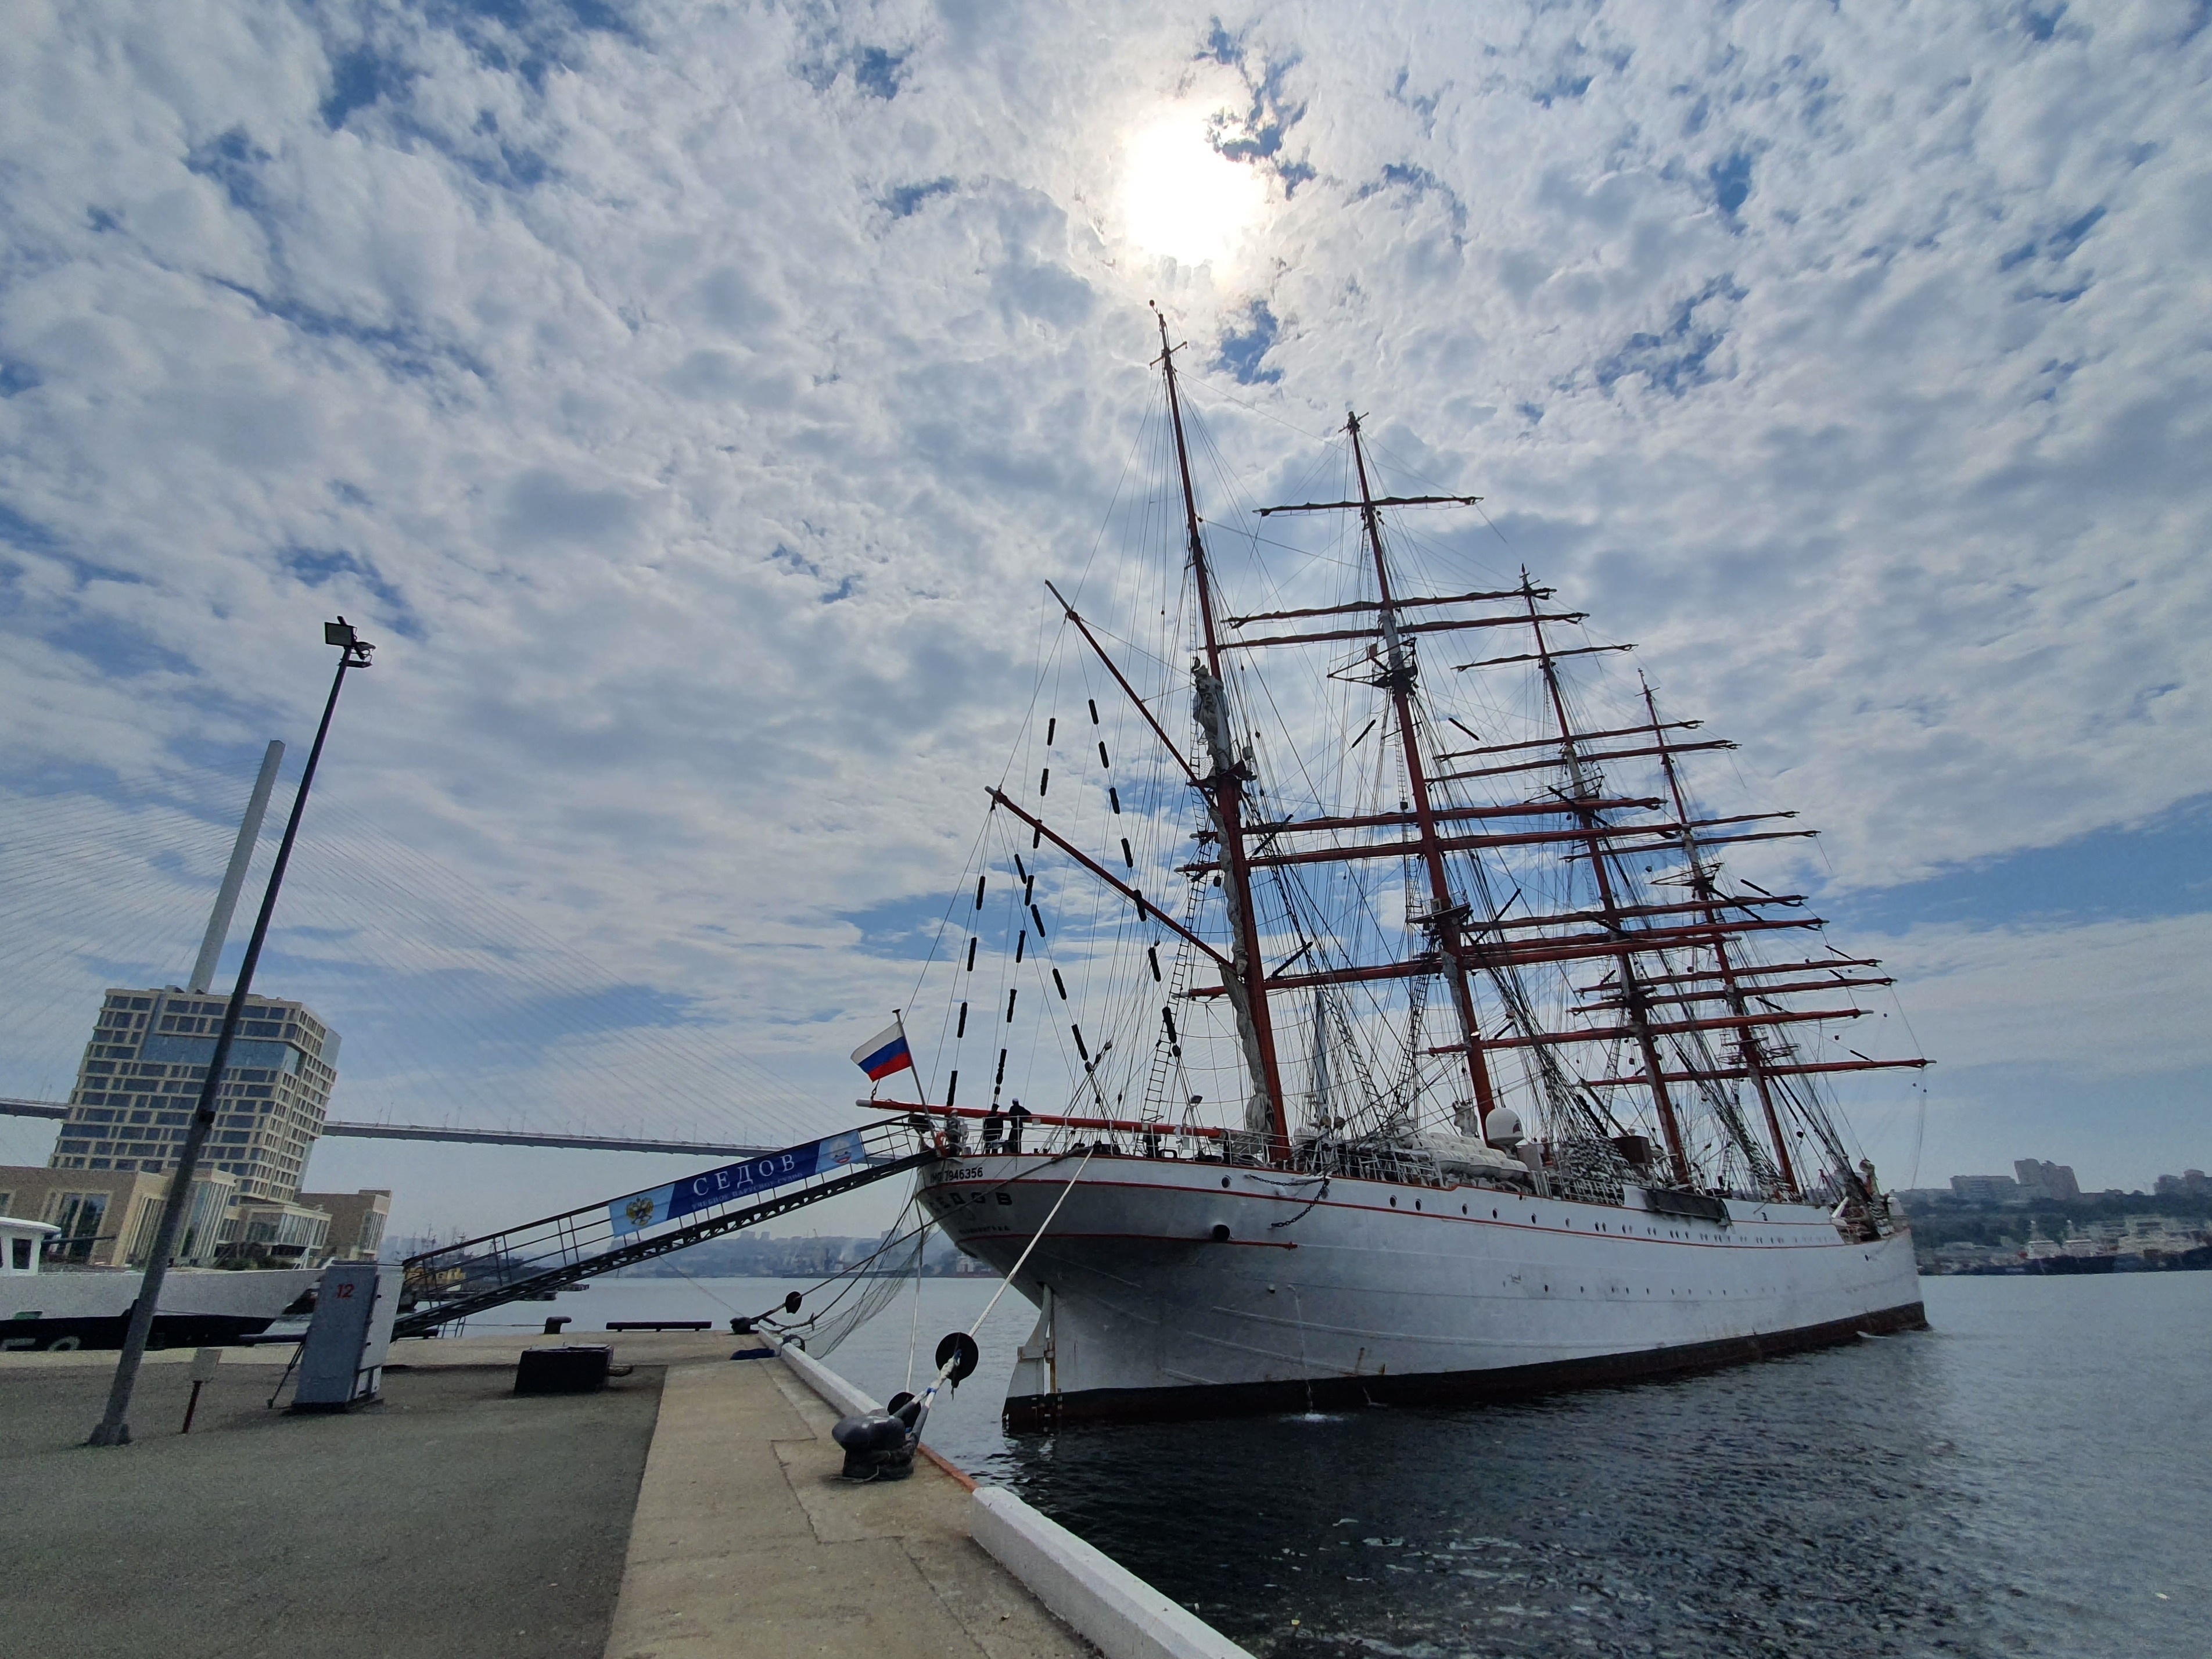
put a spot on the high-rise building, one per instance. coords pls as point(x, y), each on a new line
point(2046, 1180)
point(141, 1075)
point(1985, 1189)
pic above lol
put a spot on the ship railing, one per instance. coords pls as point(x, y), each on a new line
point(1591, 1172)
point(1376, 1159)
point(1589, 1169)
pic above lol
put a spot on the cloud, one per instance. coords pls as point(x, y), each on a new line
point(2086, 1044)
point(1243, 349)
point(694, 402)
point(2110, 1000)
point(542, 505)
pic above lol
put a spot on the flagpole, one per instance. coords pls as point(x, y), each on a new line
point(883, 1043)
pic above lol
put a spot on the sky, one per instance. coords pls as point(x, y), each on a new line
point(692, 401)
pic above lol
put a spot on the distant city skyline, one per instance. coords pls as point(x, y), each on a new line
point(2036, 1178)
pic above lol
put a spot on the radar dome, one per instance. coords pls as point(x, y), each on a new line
point(1502, 1127)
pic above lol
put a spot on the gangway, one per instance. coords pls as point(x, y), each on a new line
point(539, 1257)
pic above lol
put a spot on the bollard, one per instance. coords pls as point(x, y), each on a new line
point(553, 1326)
point(206, 1362)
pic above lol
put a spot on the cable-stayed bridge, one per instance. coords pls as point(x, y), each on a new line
point(57, 1110)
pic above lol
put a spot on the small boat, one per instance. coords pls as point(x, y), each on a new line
point(58, 1309)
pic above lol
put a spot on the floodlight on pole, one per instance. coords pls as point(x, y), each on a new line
point(114, 1428)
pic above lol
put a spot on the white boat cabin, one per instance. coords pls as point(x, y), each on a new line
point(19, 1243)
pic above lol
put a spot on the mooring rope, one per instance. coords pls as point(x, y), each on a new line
point(914, 1321)
point(952, 1359)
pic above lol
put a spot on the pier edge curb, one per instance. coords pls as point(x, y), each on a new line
point(1101, 1600)
point(1096, 1596)
point(848, 1400)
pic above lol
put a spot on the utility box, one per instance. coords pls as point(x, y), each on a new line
point(342, 1359)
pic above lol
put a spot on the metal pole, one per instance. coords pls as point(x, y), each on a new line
point(114, 1429)
point(241, 855)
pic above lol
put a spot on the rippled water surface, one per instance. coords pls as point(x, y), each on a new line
point(2031, 1476)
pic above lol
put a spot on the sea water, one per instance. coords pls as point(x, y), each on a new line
point(2030, 1476)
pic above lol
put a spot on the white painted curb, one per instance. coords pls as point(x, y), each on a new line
point(848, 1400)
point(1118, 1613)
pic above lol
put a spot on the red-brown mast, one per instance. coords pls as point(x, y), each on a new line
point(1445, 912)
point(1631, 991)
point(1701, 884)
point(1225, 788)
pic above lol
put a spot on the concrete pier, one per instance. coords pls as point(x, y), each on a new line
point(692, 1510)
point(746, 1543)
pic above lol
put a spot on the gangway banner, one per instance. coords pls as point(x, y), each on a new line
point(732, 1181)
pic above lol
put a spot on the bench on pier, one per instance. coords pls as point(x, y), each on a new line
point(660, 1324)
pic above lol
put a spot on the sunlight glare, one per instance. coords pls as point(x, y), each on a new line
point(1182, 199)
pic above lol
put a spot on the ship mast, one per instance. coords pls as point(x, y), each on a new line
point(1245, 981)
point(1749, 1051)
point(1650, 954)
point(1633, 995)
point(1446, 914)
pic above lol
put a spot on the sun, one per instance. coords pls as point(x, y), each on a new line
point(1181, 198)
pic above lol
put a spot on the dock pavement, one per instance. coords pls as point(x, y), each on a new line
point(691, 1510)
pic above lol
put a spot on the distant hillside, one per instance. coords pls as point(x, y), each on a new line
point(748, 1256)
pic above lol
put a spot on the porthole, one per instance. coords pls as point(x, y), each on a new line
point(1417, 1203)
point(1225, 1181)
point(1393, 1203)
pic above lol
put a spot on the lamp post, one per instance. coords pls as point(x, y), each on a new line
point(114, 1429)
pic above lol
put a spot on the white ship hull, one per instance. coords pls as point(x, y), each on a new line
point(1174, 1289)
point(88, 1307)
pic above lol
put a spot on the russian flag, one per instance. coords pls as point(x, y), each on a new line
point(884, 1053)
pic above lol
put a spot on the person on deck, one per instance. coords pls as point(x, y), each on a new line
point(994, 1128)
point(1019, 1116)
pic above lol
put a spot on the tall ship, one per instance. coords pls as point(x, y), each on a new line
point(1347, 1002)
